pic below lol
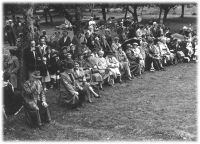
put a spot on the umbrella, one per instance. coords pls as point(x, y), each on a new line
point(178, 36)
point(130, 41)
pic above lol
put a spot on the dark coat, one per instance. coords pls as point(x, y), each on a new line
point(66, 43)
point(31, 62)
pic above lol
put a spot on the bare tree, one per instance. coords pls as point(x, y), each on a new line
point(166, 8)
point(28, 35)
point(182, 10)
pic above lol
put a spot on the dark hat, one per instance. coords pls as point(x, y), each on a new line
point(55, 54)
point(110, 53)
point(68, 65)
point(35, 74)
point(83, 43)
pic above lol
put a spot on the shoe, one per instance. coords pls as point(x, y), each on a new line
point(139, 77)
point(129, 78)
point(97, 96)
point(90, 101)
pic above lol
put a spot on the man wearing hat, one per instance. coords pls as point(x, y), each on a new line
point(71, 93)
point(36, 107)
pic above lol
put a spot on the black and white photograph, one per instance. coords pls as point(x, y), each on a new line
point(99, 71)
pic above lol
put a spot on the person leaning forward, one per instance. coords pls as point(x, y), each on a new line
point(71, 93)
point(36, 107)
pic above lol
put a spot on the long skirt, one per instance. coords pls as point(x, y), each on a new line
point(115, 72)
point(135, 68)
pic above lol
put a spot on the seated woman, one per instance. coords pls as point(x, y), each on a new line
point(102, 67)
point(113, 65)
point(137, 51)
point(36, 107)
point(166, 55)
point(79, 75)
point(124, 63)
point(134, 62)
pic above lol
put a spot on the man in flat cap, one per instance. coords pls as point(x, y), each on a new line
point(36, 107)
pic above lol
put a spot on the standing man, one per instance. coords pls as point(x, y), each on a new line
point(32, 57)
point(42, 47)
point(65, 39)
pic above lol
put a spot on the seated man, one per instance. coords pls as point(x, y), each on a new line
point(71, 93)
point(113, 65)
point(153, 56)
point(36, 107)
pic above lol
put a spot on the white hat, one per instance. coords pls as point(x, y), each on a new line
point(101, 52)
point(154, 23)
point(135, 43)
point(184, 27)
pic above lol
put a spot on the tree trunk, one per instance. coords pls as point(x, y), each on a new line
point(160, 15)
point(165, 15)
point(51, 18)
point(78, 19)
point(28, 32)
point(103, 12)
point(135, 14)
point(126, 12)
point(182, 12)
point(108, 10)
point(45, 15)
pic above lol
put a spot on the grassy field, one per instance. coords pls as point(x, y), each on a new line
point(161, 106)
